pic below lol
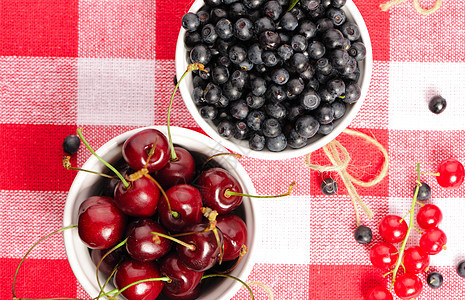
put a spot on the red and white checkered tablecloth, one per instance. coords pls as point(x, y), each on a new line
point(108, 66)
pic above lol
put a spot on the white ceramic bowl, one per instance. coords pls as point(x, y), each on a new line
point(85, 185)
point(316, 142)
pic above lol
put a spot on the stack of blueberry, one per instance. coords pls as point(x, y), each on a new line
point(275, 77)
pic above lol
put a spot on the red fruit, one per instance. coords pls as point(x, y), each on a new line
point(393, 229)
point(110, 261)
point(140, 199)
point(131, 271)
point(235, 235)
point(183, 280)
point(191, 295)
point(177, 172)
point(383, 255)
point(451, 173)
point(433, 241)
point(415, 260)
point(100, 223)
point(429, 216)
point(378, 293)
point(408, 286)
point(136, 150)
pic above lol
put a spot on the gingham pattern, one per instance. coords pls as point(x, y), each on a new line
point(108, 66)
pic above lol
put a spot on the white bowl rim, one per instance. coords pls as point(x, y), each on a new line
point(343, 123)
point(71, 238)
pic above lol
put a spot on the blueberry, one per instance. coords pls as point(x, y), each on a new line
point(276, 144)
point(358, 51)
point(231, 92)
point(253, 4)
point(257, 142)
point(246, 65)
point(285, 37)
point(191, 39)
point(289, 21)
point(299, 43)
point(255, 120)
point(226, 129)
point(264, 24)
point(237, 54)
point(352, 93)
point(353, 76)
point(317, 13)
point(437, 104)
point(424, 192)
point(285, 52)
point(243, 29)
point(255, 102)
point(336, 87)
point(339, 109)
point(351, 31)
point(270, 59)
point(329, 186)
point(295, 86)
point(298, 13)
point(276, 110)
point(239, 78)
point(308, 74)
point(239, 109)
point(434, 280)
point(309, 99)
point(205, 75)
point(200, 54)
point(461, 268)
point(308, 29)
point(208, 112)
point(258, 86)
point(363, 234)
point(295, 141)
point(299, 63)
point(295, 112)
point(216, 14)
point(306, 126)
point(316, 50)
point(333, 38)
point(338, 3)
point(348, 68)
point(326, 96)
point(323, 66)
point(309, 5)
point(322, 25)
point(220, 74)
point(197, 95)
point(190, 22)
point(224, 29)
point(336, 15)
point(280, 76)
point(271, 128)
point(204, 17)
point(254, 54)
point(272, 9)
point(237, 10)
point(346, 44)
point(212, 93)
point(339, 57)
point(275, 93)
point(71, 144)
point(324, 113)
point(223, 102)
point(326, 129)
point(241, 131)
point(269, 39)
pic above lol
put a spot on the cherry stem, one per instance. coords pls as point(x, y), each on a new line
point(174, 213)
point(191, 67)
point(217, 155)
point(29, 251)
point(125, 183)
point(243, 252)
point(400, 221)
point(101, 260)
point(232, 277)
point(410, 226)
point(421, 204)
point(67, 165)
point(108, 280)
point(190, 246)
point(432, 174)
point(228, 193)
point(421, 232)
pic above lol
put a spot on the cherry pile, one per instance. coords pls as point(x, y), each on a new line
point(412, 261)
point(276, 74)
point(172, 221)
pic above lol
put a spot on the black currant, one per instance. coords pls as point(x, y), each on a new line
point(424, 192)
point(71, 144)
point(434, 280)
point(461, 268)
point(363, 234)
point(329, 186)
point(437, 104)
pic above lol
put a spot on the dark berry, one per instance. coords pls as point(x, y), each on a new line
point(239, 109)
point(323, 66)
point(336, 15)
point(255, 102)
point(241, 131)
point(197, 95)
point(352, 93)
point(306, 126)
point(271, 128)
point(434, 280)
point(324, 24)
point(309, 99)
point(272, 9)
point(289, 21)
point(190, 22)
point(276, 93)
point(258, 86)
point(285, 37)
point(204, 17)
point(253, 4)
point(349, 67)
point(461, 268)
point(246, 65)
point(339, 57)
point(264, 24)
point(353, 76)
point(269, 39)
point(223, 102)
point(239, 78)
point(226, 129)
point(313, 84)
point(237, 10)
point(326, 129)
point(424, 192)
point(71, 144)
point(363, 234)
point(270, 59)
point(212, 93)
point(309, 5)
point(299, 62)
point(298, 13)
point(346, 44)
point(257, 142)
point(350, 31)
point(339, 109)
point(231, 92)
point(229, 2)
point(338, 3)
point(329, 186)
point(280, 76)
point(295, 112)
point(437, 104)
point(326, 96)
point(285, 52)
point(317, 13)
point(296, 141)
point(276, 110)
point(191, 39)
point(237, 54)
point(255, 120)
point(254, 53)
point(216, 14)
point(200, 54)
point(358, 51)
point(333, 38)
point(299, 43)
point(224, 29)
point(336, 87)
point(209, 34)
point(276, 144)
point(243, 29)
point(205, 75)
point(316, 50)
point(295, 86)
point(220, 74)
point(208, 112)
point(324, 113)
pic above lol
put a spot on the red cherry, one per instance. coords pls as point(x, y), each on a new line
point(140, 199)
point(142, 245)
point(408, 286)
point(393, 229)
point(186, 200)
point(235, 235)
point(100, 223)
point(179, 171)
point(190, 295)
point(131, 271)
point(183, 280)
point(433, 241)
point(415, 260)
point(213, 184)
point(429, 216)
point(110, 261)
point(451, 173)
point(383, 255)
point(378, 293)
point(136, 150)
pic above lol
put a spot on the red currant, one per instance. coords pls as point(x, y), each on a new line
point(429, 216)
point(408, 286)
point(383, 255)
point(451, 173)
point(378, 293)
point(415, 260)
point(393, 229)
point(433, 240)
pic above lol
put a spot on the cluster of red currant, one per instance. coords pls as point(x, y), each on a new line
point(415, 259)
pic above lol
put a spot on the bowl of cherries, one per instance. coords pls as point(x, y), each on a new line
point(282, 78)
point(161, 225)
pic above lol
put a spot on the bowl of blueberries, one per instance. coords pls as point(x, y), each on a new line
point(282, 78)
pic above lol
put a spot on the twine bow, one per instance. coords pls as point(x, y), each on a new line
point(386, 6)
point(333, 151)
